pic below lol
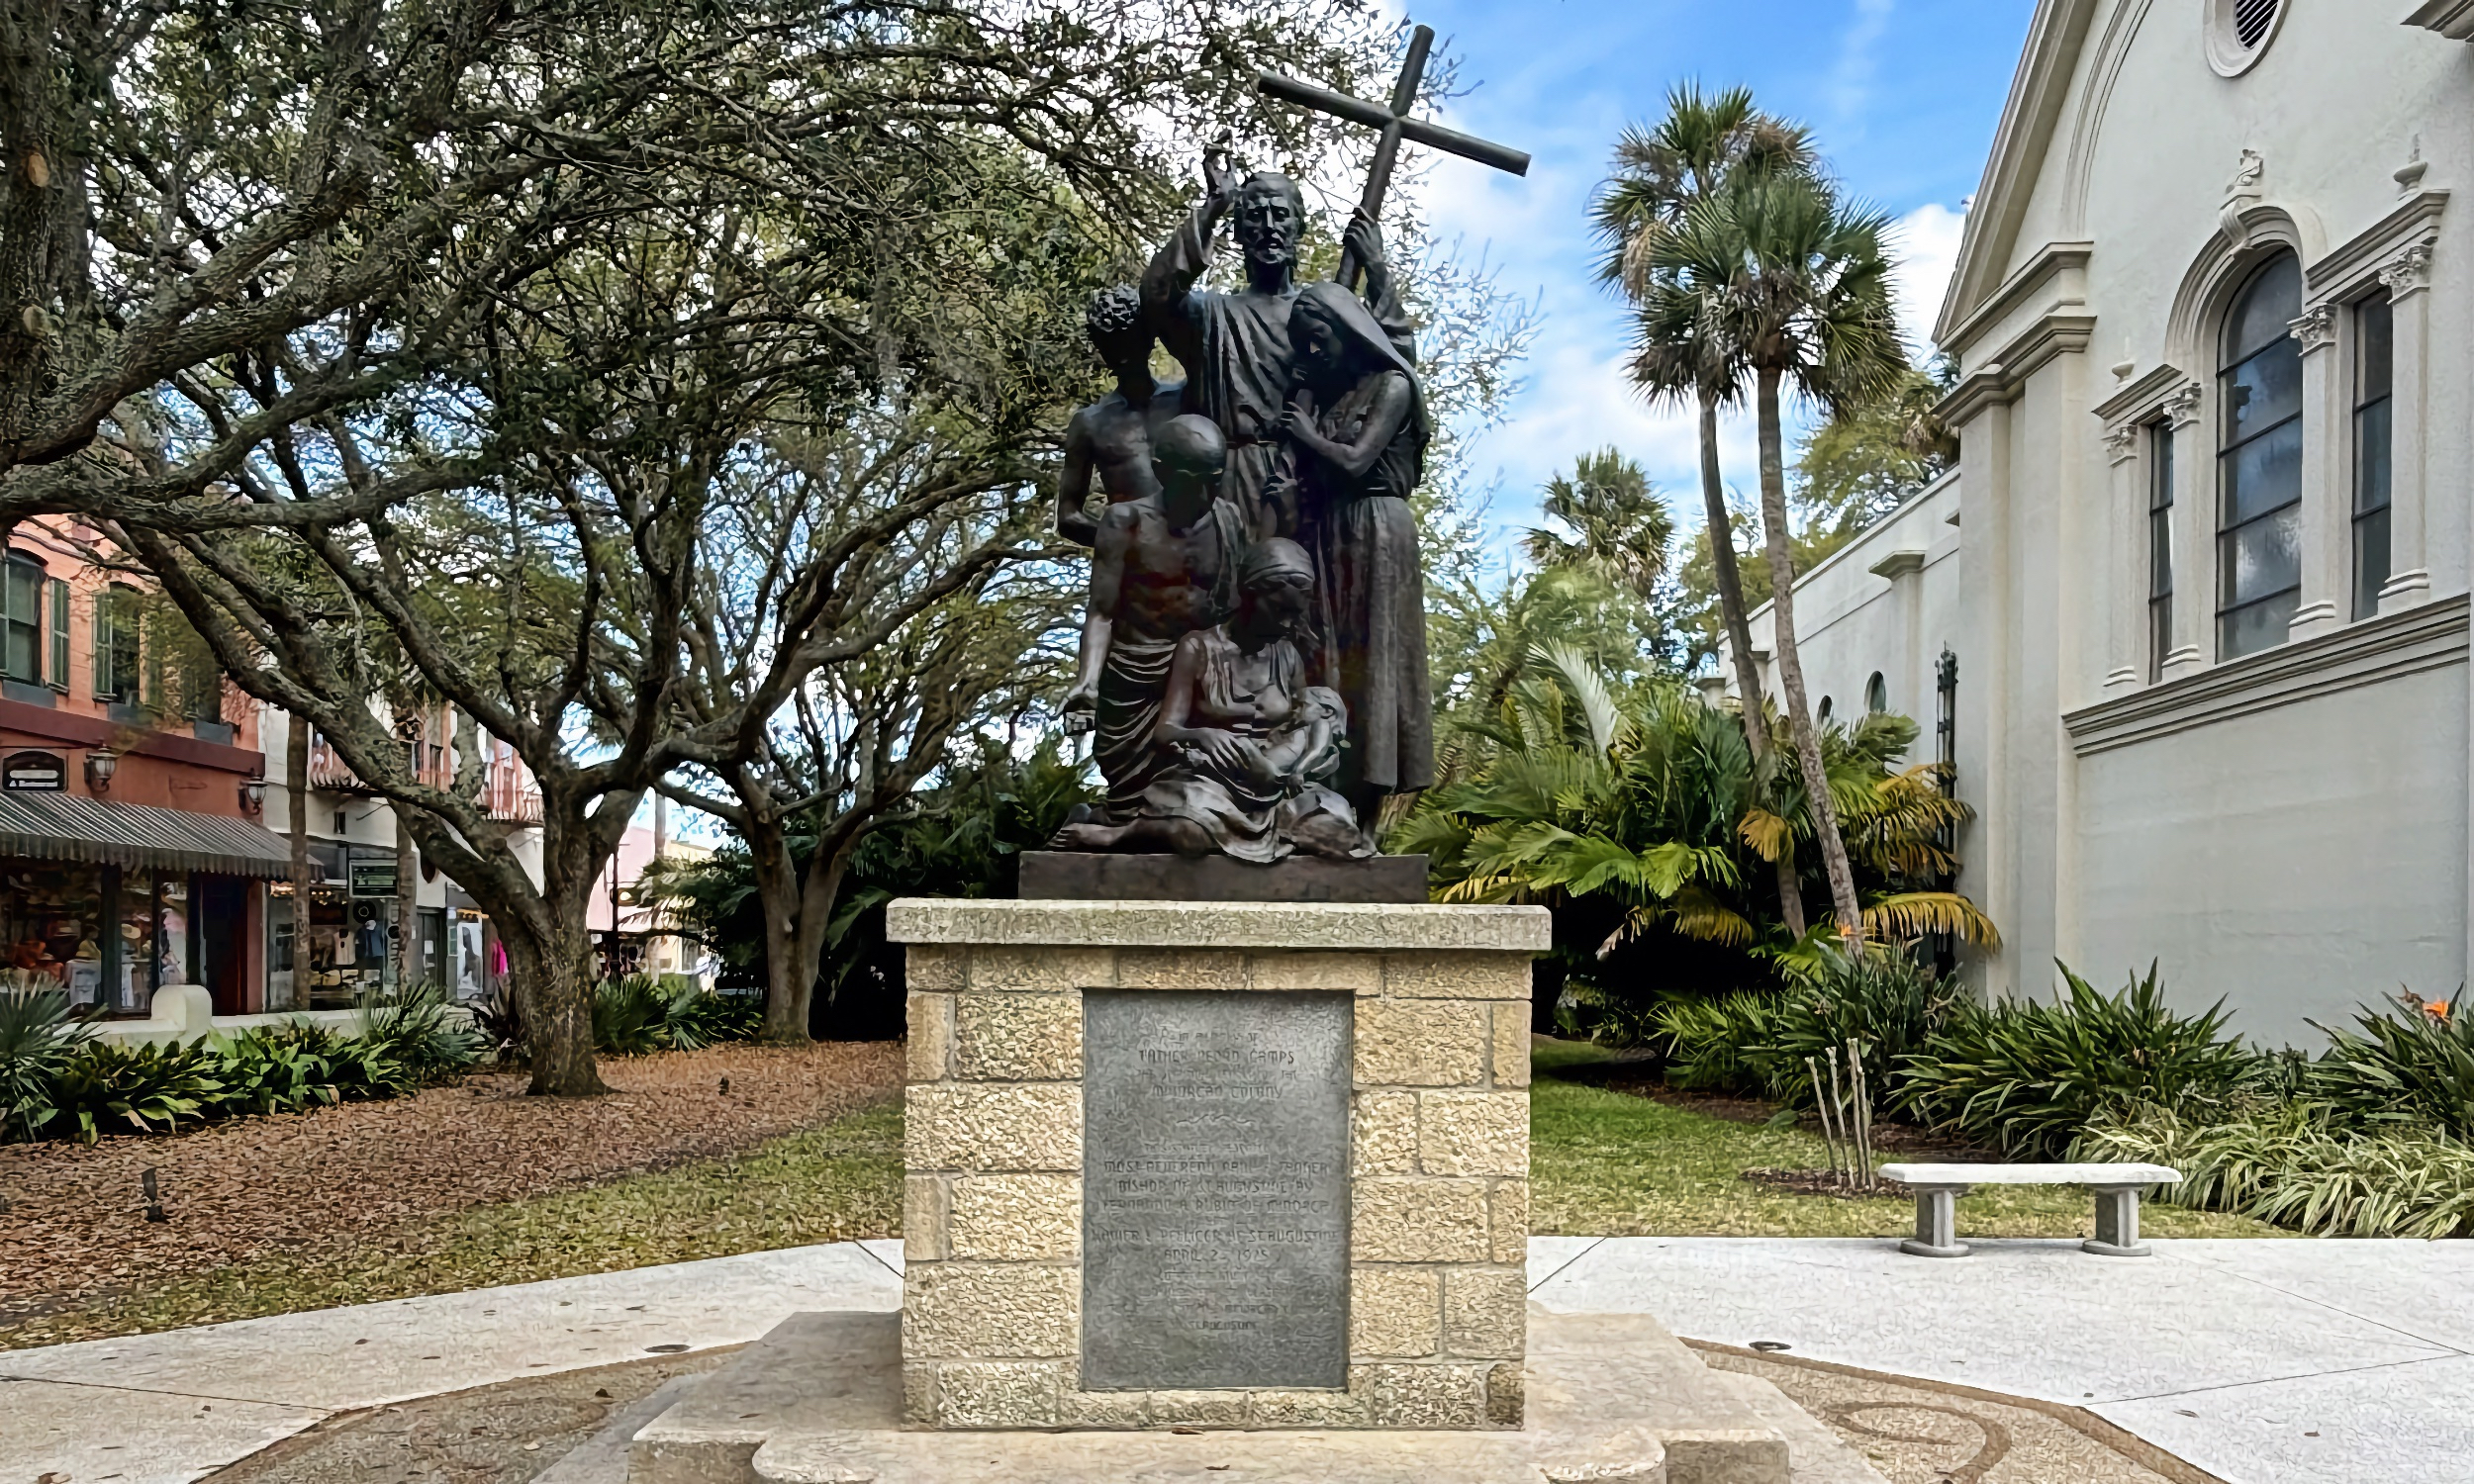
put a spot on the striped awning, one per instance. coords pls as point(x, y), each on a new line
point(67, 827)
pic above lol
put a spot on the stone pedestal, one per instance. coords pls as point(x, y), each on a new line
point(1218, 1164)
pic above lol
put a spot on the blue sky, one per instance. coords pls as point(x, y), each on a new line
point(1904, 96)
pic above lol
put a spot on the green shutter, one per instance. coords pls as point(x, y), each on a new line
point(106, 685)
point(60, 634)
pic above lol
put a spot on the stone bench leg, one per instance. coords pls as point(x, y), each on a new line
point(1937, 1222)
point(2116, 1223)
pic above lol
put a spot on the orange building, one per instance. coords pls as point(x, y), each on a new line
point(131, 788)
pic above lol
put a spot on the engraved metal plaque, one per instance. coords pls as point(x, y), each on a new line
point(1215, 1189)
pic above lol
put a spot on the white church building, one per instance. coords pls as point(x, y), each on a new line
point(2202, 571)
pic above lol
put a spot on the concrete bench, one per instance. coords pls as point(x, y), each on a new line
point(2117, 1186)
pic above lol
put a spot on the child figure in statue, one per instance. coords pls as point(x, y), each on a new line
point(1164, 566)
point(1111, 438)
point(1250, 747)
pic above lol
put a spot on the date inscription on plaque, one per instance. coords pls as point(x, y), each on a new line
point(1215, 1189)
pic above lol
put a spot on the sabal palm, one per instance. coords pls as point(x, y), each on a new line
point(1620, 528)
point(1704, 147)
point(1792, 285)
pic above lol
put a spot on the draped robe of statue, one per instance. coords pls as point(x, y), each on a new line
point(1370, 582)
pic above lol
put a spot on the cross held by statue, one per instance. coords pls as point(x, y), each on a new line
point(1395, 125)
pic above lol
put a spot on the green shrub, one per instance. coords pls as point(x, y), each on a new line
point(695, 1019)
point(2297, 1167)
point(105, 1088)
point(630, 1016)
point(277, 1069)
point(1757, 1042)
point(417, 1034)
point(38, 1037)
point(2029, 1076)
point(1710, 1045)
point(2413, 1064)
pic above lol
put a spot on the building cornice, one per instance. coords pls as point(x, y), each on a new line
point(2454, 19)
point(2143, 396)
point(2415, 221)
point(2039, 93)
point(2056, 259)
point(2005, 375)
point(2429, 637)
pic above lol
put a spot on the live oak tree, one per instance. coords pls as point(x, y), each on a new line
point(453, 321)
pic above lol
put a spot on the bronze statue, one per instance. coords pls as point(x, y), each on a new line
point(1362, 457)
point(1111, 437)
point(1250, 745)
point(1163, 565)
point(1282, 729)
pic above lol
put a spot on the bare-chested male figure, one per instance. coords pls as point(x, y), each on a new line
point(1111, 437)
point(1162, 566)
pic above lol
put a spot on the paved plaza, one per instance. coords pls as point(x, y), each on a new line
point(2262, 1363)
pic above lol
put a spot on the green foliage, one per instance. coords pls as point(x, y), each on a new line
point(1636, 814)
point(279, 1069)
point(958, 838)
point(1757, 1042)
point(2298, 1168)
point(38, 1039)
point(60, 1082)
point(2028, 1076)
point(630, 1016)
point(107, 1089)
point(419, 1033)
point(640, 1015)
point(1717, 1044)
point(2413, 1064)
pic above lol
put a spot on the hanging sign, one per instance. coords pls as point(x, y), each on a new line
point(33, 773)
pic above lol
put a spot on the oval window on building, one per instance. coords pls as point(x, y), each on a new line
point(2240, 31)
point(1877, 694)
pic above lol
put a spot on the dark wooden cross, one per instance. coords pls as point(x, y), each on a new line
point(1395, 125)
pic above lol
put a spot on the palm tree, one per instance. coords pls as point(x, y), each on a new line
point(1704, 146)
point(1620, 528)
point(1780, 277)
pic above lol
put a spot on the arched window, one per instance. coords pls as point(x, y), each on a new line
point(1824, 713)
point(1876, 694)
point(2259, 464)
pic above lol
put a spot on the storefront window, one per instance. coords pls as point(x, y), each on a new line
point(173, 940)
point(135, 992)
point(52, 919)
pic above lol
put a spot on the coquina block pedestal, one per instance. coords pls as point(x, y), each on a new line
point(1215, 1165)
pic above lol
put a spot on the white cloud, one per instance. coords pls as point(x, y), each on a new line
point(1851, 81)
point(1926, 241)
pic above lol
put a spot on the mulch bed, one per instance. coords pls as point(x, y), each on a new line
point(74, 1222)
point(1820, 1182)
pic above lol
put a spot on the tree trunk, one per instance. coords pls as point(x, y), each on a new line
point(1791, 666)
point(550, 954)
point(406, 908)
point(777, 889)
point(296, 793)
point(1738, 622)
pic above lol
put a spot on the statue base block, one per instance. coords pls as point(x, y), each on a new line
point(1078, 876)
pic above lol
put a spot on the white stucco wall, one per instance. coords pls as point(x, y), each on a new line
point(2287, 832)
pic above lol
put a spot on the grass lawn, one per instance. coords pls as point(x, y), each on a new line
point(825, 1184)
point(1601, 1163)
point(1613, 1165)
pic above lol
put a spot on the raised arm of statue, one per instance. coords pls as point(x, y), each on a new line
point(1183, 258)
point(1383, 290)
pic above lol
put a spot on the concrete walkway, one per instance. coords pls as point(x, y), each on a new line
point(2264, 1362)
point(169, 1408)
point(2261, 1362)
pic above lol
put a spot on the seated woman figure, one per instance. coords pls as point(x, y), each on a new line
point(1252, 747)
